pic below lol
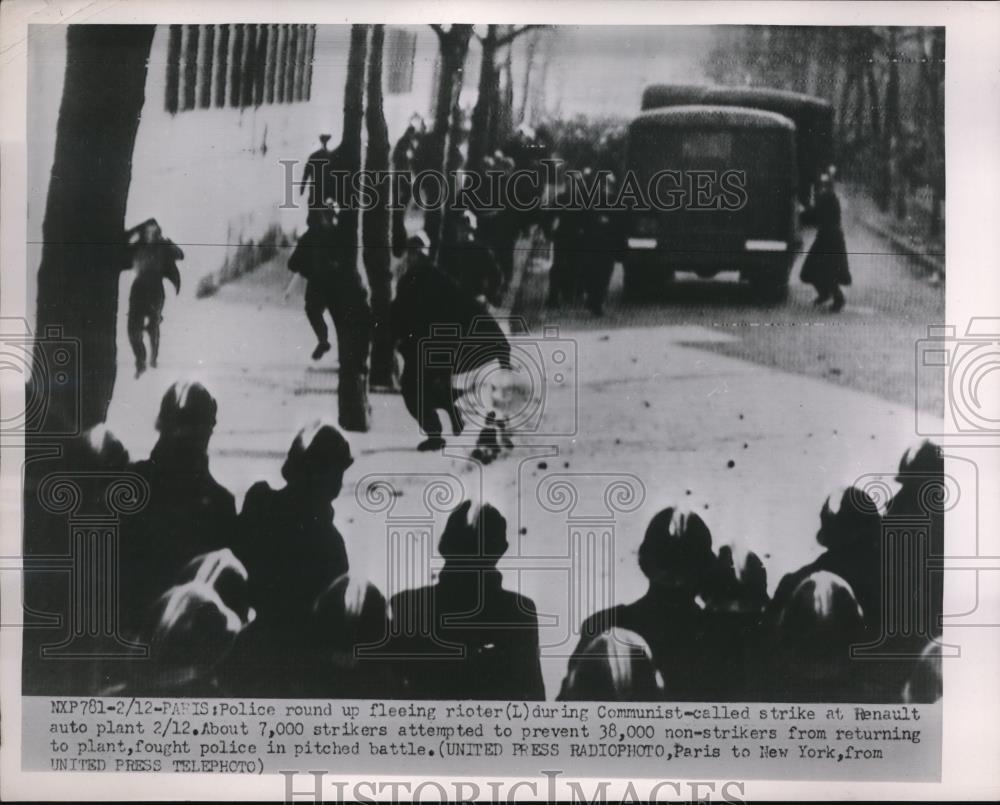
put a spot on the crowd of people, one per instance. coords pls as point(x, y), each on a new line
point(264, 601)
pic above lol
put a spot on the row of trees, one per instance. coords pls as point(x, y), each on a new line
point(887, 86)
point(85, 212)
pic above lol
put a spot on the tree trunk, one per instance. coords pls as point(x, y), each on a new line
point(454, 47)
point(352, 385)
point(375, 222)
point(83, 230)
point(529, 64)
point(892, 150)
point(482, 114)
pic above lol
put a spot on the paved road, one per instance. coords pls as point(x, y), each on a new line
point(868, 346)
point(651, 406)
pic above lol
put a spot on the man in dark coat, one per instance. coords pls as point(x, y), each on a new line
point(566, 226)
point(334, 284)
point(825, 267)
point(325, 176)
point(154, 259)
point(189, 513)
point(675, 556)
point(480, 640)
point(439, 329)
point(288, 542)
point(851, 531)
point(471, 262)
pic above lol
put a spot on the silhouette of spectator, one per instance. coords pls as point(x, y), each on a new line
point(288, 541)
point(92, 462)
point(224, 573)
point(191, 631)
point(734, 602)
point(350, 618)
point(850, 530)
point(814, 632)
point(616, 666)
point(921, 497)
point(189, 513)
point(466, 637)
point(674, 555)
point(924, 685)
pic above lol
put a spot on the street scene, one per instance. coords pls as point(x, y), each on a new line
point(680, 429)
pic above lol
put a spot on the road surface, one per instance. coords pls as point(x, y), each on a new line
point(743, 413)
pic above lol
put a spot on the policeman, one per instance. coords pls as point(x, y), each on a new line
point(432, 310)
point(154, 260)
point(335, 285)
point(825, 267)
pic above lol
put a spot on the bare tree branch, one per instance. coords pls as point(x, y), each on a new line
point(438, 30)
point(507, 38)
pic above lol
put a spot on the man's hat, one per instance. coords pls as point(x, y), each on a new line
point(921, 460)
point(317, 449)
point(677, 541)
point(186, 405)
point(474, 533)
point(324, 138)
point(849, 515)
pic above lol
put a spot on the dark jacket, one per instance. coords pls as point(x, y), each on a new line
point(291, 549)
point(430, 305)
point(481, 641)
point(189, 513)
point(826, 263)
point(672, 625)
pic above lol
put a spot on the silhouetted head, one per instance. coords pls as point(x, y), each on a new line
point(96, 449)
point(191, 632)
point(151, 232)
point(474, 535)
point(825, 183)
point(676, 550)
point(467, 223)
point(324, 139)
point(820, 622)
point(187, 416)
point(615, 666)
point(924, 685)
point(316, 461)
point(351, 612)
point(920, 463)
point(849, 517)
point(222, 572)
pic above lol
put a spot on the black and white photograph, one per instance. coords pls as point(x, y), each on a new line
point(540, 364)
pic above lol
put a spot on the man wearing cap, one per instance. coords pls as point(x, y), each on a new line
point(466, 637)
point(334, 284)
point(825, 267)
point(324, 175)
point(292, 551)
point(675, 555)
point(189, 513)
point(288, 542)
point(432, 314)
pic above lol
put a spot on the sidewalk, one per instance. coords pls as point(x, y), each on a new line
point(908, 235)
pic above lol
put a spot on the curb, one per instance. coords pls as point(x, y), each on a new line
point(932, 263)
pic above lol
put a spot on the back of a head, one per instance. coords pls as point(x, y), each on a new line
point(350, 613)
point(222, 572)
point(186, 406)
point(474, 534)
point(677, 547)
point(317, 450)
point(191, 629)
point(821, 620)
point(921, 462)
point(616, 665)
point(925, 685)
point(849, 517)
point(96, 449)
